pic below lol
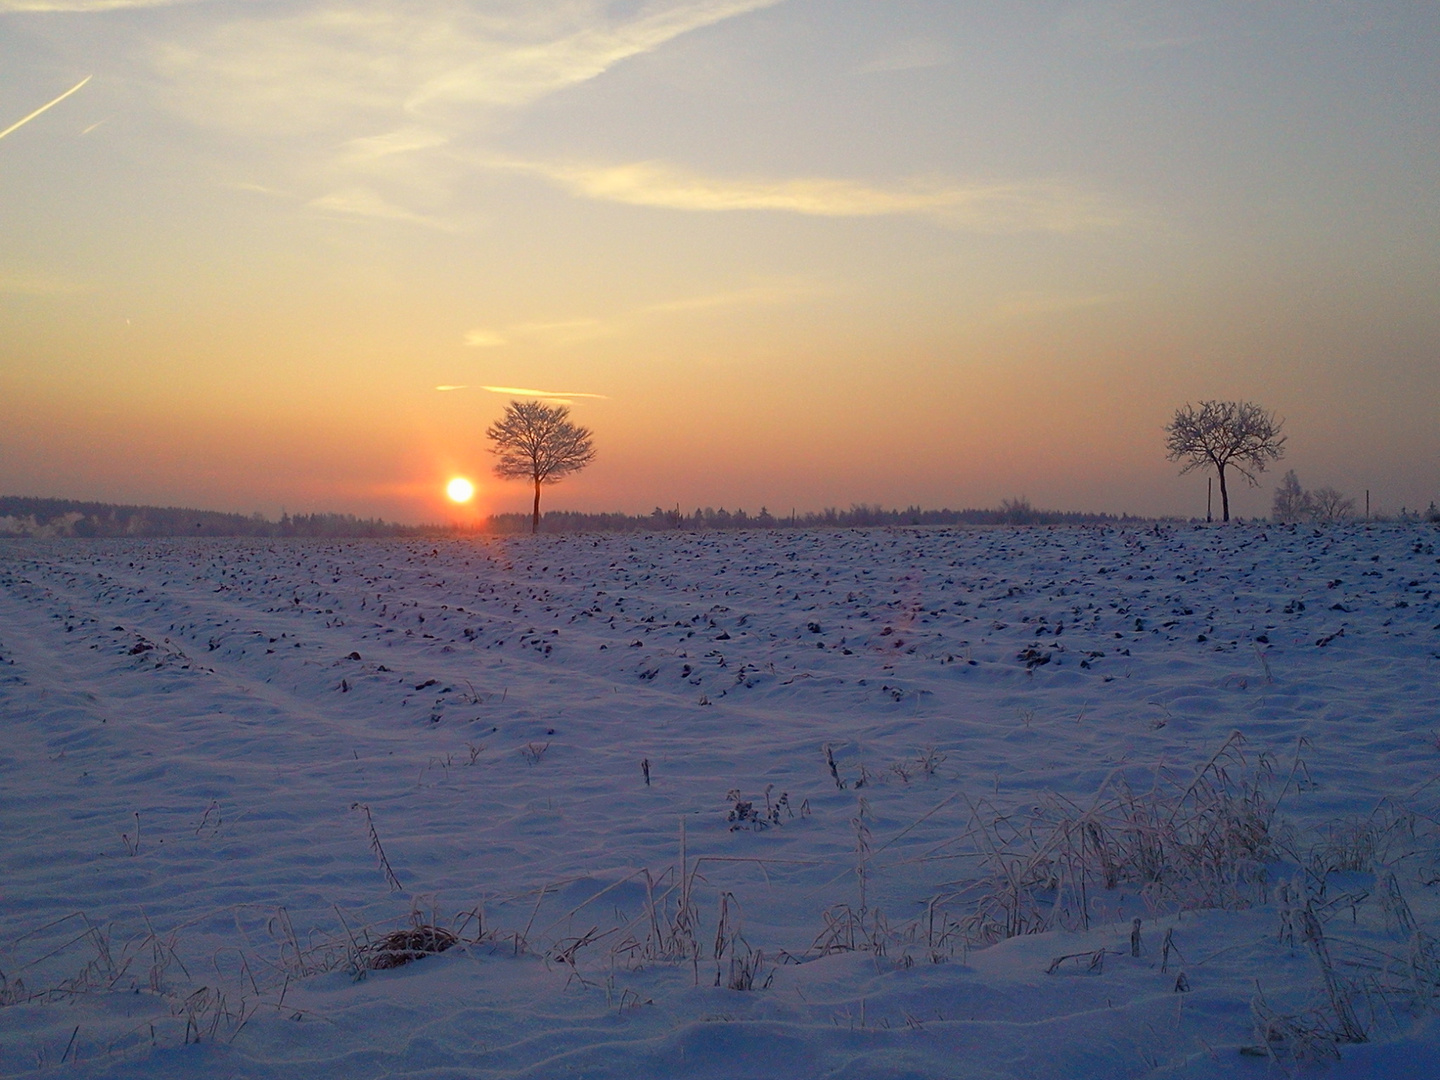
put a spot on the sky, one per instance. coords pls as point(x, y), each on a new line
point(780, 253)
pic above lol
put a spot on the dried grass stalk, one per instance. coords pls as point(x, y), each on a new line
point(401, 947)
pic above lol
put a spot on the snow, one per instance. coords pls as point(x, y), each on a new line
point(230, 767)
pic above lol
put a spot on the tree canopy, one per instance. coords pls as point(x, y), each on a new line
point(1222, 435)
point(537, 442)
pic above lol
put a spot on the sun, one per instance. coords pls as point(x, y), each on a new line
point(460, 490)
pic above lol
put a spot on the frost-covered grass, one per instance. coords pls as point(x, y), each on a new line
point(930, 803)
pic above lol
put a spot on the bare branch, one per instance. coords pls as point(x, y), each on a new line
point(1223, 435)
point(1327, 504)
point(537, 442)
point(1291, 501)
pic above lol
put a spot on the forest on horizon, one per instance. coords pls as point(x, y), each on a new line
point(26, 516)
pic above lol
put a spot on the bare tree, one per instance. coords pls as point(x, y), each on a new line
point(1327, 504)
point(1292, 502)
point(537, 442)
point(1017, 511)
point(1222, 435)
point(1323, 505)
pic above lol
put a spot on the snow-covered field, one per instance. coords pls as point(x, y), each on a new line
point(229, 769)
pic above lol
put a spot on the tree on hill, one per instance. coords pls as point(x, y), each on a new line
point(537, 442)
point(1323, 505)
point(1292, 502)
point(1223, 435)
point(1327, 504)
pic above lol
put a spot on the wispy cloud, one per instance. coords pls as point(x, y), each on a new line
point(257, 189)
point(560, 397)
point(292, 73)
point(402, 140)
point(84, 5)
point(403, 91)
point(360, 202)
point(372, 89)
point(562, 332)
point(49, 104)
point(546, 395)
point(509, 72)
point(484, 339)
point(992, 207)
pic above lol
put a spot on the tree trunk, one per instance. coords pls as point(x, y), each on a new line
point(535, 519)
point(1224, 495)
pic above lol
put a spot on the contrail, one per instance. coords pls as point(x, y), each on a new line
point(42, 108)
point(520, 391)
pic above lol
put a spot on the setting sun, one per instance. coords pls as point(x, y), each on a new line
point(460, 490)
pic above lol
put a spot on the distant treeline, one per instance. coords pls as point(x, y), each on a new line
point(22, 516)
point(860, 515)
point(66, 517)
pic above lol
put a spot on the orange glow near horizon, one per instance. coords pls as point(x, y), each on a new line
point(460, 490)
point(357, 253)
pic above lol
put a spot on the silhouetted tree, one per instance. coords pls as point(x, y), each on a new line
point(1017, 511)
point(1222, 435)
point(1328, 504)
point(537, 442)
point(1323, 505)
point(1292, 502)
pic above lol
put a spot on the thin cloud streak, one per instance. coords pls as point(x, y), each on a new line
point(400, 141)
point(359, 202)
point(563, 332)
point(576, 331)
point(512, 74)
point(47, 105)
point(379, 90)
point(519, 391)
point(83, 6)
point(1001, 207)
point(258, 189)
point(316, 70)
point(484, 339)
